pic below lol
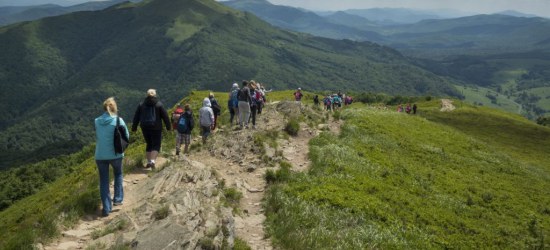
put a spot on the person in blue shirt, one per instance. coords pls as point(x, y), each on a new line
point(105, 155)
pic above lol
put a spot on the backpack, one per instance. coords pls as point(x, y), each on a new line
point(148, 116)
point(215, 107)
point(242, 96)
point(253, 98)
point(176, 117)
point(182, 125)
point(234, 101)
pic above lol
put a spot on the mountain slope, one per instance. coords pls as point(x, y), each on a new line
point(71, 63)
point(474, 177)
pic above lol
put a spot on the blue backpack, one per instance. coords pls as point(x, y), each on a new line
point(234, 98)
point(182, 125)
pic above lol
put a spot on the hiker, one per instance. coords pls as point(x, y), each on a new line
point(215, 108)
point(328, 103)
point(150, 114)
point(244, 105)
point(408, 108)
point(175, 117)
point(206, 119)
point(414, 109)
point(336, 102)
point(233, 103)
point(399, 108)
point(298, 95)
point(255, 97)
point(261, 98)
point(105, 155)
point(184, 126)
point(316, 100)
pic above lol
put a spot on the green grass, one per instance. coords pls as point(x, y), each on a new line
point(115, 226)
point(397, 181)
point(25, 223)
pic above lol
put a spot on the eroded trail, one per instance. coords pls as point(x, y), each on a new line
point(232, 159)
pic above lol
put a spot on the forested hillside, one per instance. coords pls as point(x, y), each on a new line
point(56, 71)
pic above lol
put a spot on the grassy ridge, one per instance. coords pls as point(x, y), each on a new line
point(396, 181)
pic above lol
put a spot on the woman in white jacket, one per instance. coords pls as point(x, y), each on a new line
point(206, 119)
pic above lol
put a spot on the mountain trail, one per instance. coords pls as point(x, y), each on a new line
point(187, 188)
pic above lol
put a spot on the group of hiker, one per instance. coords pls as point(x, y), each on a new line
point(244, 104)
point(334, 101)
point(408, 109)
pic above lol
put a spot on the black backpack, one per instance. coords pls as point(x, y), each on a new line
point(148, 116)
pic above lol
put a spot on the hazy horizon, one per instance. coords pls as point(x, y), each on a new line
point(535, 7)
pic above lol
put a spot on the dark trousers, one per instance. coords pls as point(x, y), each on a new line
point(253, 111)
point(153, 139)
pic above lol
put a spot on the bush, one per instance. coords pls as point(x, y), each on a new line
point(232, 197)
point(279, 176)
point(241, 245)
point(292, 127)
point(161, 213)
point(336, 115)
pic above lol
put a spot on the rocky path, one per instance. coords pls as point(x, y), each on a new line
point(234, 162)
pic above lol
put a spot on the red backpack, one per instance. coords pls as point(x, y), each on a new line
point(176, 117)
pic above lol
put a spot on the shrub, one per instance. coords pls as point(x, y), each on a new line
point(118, 225)
point(292, 127)
point(336, 115)
point(279, 176)
point(231, 198)
point(241, 245)
point(161, 213)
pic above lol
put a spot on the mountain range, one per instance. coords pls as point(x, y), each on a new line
point(507, 52)
point(14, 14)
point(57, 71)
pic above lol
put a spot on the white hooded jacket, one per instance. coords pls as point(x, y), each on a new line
point(206, 114)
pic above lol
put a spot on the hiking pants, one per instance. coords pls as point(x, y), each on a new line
point(244, 113)
point(153, 139)
point(253, 111)
point(103, 169)
point(232, 112)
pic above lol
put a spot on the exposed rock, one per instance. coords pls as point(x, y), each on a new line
point(251, 168)
point(447, 105)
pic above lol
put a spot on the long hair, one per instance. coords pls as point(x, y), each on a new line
point(110, 106)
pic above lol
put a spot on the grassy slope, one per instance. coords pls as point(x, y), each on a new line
point(473, 178)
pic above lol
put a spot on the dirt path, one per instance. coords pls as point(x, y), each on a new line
point(80, 236)
point(239, 168)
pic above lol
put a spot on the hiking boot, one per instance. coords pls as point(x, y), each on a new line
point(177, 153)
point(153, 166)
point(104, 214)
point(253, 126)
point(148, 165)
point(117, 203)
